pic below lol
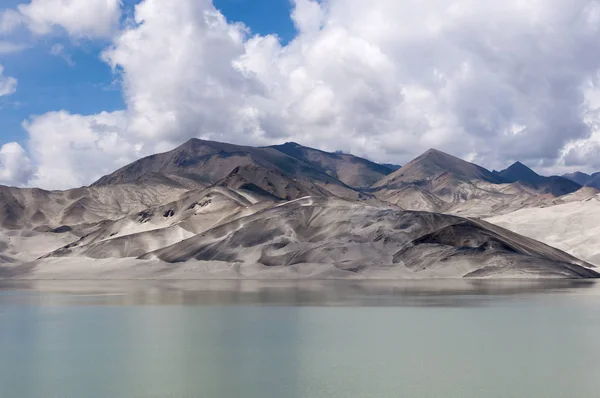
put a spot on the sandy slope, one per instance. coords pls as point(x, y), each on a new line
point(573, 227)
point(161, 226)
point(29, 245)
point(364, 239)
point(219, 233)
point(35, 208)
point(412, 198)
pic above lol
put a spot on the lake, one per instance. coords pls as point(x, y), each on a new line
point(299, 339)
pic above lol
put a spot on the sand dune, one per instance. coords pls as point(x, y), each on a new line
point(573, 226)
point(365, 239)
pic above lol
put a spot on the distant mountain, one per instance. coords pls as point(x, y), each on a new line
point(352, 170)
point(442, 182)
point(578, 177)
point(433, 165)
point(555, 185)
point(391, 166)
point(588, 180)
point(594, 181)
point(210, 161)
point(519, 172)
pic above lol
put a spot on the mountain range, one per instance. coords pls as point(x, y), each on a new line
point(588, 180)
point(211, 209)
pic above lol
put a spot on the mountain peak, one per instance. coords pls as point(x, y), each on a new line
point(436, 155)
point(521, 167)
point(519, 172)
point(436, 151)
point(518, 164)
point(433, 163)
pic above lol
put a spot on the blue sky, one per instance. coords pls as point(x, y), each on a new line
point(85, 84)
point(262, 16)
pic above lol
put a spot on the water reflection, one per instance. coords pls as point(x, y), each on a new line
point(447, 293)
point(345, 339)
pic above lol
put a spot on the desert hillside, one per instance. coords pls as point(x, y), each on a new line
point(209, 209)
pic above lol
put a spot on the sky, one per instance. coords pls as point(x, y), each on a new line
point(87, 86)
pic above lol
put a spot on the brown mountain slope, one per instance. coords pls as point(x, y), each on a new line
point(433, 166)
point(270, 183)
point(210, 161)
point(352, 170)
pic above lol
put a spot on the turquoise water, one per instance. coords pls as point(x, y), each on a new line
point(318, 339)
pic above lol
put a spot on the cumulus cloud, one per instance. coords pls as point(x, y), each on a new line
point(80, 18)
point(71, 149)
point(8, 85)
point(9, 21)
point(492, 81)
point(15, 166)
point(178, 73)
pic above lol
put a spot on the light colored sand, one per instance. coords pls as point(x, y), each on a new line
point(132, 269)
point(29, 245)
point(162, 226)
point(223, 236)
point(573, 227)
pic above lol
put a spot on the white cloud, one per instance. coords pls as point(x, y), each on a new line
point(59, 51)
point(9, 21)
point(8, 85)
point(80, 18)
point(7, 47)
point(71, 150)
point(308, 16)
point(496, 81)
point(15, 166)
point(177, 70)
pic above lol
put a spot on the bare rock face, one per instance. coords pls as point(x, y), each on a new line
point(210, 161)
point(352, 170)
point(270, 183)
